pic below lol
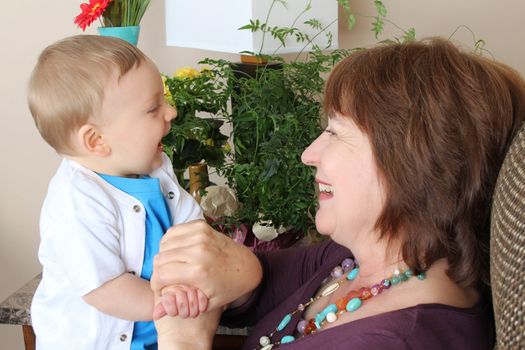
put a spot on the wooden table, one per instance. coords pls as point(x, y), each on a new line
point(15, 310)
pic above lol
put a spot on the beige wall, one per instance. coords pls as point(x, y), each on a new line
point(28, 163)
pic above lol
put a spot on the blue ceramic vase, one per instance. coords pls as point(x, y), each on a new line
point(130, 34)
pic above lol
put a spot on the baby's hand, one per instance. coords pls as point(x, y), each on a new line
point(180, 300)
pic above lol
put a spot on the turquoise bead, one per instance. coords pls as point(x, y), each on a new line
point(353, 274)
point(403, 277)
point(284, 322)
point(328, 309)
point(421, 276)
point(353, 304)
point(287, 339)
point(319, 318)
point(395, 280)
point(409, 273)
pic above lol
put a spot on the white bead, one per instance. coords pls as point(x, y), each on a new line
point(264, 340)
point(267, 347)
point(331, 317)
point(330, 289)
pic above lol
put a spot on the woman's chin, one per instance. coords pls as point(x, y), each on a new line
point(323, 228)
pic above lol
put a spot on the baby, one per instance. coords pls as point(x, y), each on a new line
point(99, 102)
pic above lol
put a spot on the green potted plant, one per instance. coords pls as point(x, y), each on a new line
point(275, 113)
point(201, 99)
point(120, 18)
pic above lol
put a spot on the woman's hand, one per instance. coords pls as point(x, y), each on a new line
point(176, 333)
point(194, 254)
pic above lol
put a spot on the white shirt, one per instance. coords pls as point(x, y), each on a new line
point(91, 233)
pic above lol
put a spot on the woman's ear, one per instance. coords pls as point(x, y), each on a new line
point(91, 140)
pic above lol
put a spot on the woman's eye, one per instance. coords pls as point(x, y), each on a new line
point(329, 132)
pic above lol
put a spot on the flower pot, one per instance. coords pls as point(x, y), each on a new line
point(199, 179)
point(242, 233)
point(129, 34)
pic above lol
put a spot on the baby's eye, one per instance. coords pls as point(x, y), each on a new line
point(329, 132)
point(154, 109)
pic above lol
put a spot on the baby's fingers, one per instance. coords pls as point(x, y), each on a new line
point(181, 301)
point(203, 301)
point(169, 304)
point(193, 302)
point(158, 312)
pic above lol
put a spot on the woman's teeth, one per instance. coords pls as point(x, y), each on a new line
point(325, 188)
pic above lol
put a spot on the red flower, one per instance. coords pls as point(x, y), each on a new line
point(90, 12)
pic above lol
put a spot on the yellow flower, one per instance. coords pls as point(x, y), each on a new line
point(186, 73)
point(227, 148)
point(166, 90)
point(167, 93)
point(209, 142)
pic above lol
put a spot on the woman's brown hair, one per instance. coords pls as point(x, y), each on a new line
point(440, 122)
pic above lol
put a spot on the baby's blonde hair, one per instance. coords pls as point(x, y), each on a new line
point(66, 87)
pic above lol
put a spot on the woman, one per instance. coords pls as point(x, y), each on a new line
point(406, 169)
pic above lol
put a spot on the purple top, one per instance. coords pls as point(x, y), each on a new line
point(292, 276)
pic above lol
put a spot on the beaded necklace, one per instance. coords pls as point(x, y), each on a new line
point(348, 303)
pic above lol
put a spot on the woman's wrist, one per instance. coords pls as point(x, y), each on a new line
point(186, 342)
point(176, 333)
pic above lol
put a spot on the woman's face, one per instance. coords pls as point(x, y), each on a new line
point(350, 193)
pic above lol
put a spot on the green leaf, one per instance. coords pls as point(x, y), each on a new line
point(345, 4)
point(380, 8)
point(351, 21)
point(409, 35)
point(271, 167)
point(314, 23)
point(247, 53)
point(377, 26)
point(388, 41)
point(248, 26)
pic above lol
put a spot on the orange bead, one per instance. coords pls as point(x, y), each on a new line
point(341, 303)
point(365, 293)
point(353, 294)
point(310, 327)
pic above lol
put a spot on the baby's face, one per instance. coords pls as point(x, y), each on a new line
point(136, 118)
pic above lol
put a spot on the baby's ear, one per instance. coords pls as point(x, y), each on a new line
point(91, 140)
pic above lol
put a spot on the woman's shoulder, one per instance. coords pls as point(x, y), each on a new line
point(450, 326)
point(433, 326)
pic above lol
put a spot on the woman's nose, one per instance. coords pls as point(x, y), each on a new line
point(310, 154)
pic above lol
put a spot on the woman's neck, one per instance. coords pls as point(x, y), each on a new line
point(378, 261)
